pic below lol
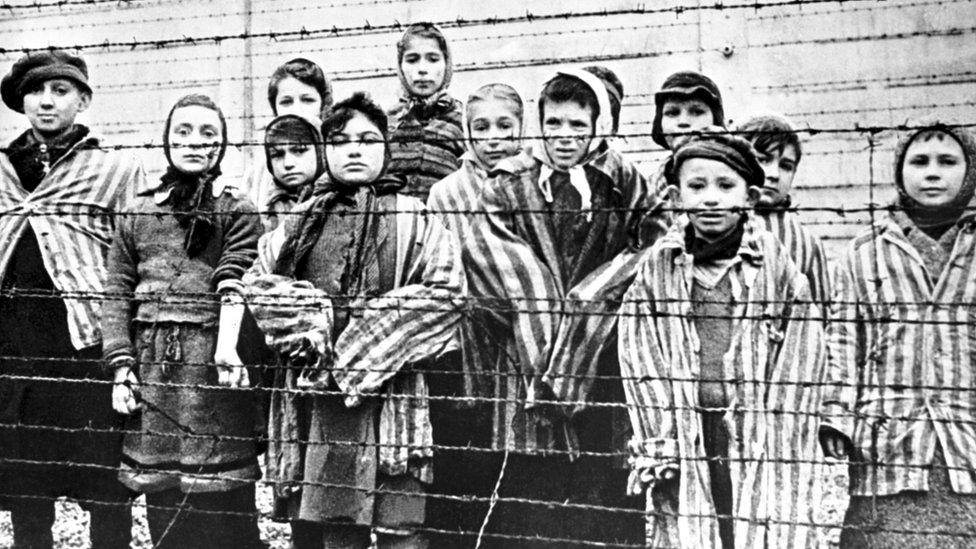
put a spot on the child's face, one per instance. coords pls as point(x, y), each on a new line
point(567, 129)
point(195, 137)
point(714, 195)
point(779, 167)
point(684, 116)
point(357, 153)
point(494, 130)
point(293, 164)
point(297, 97)
point(423, 66)
point(934, 169)
point(52, 105)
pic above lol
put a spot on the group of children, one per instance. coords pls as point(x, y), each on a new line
point(468, 337)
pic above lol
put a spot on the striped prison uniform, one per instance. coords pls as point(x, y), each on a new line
point(72, 214)
point(515, 258)
point(388, 333)
point(775, 365)
point(902, 351)
point(585, 333)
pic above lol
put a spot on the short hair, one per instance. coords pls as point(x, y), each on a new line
point(343, 111)
point(568, 89)
point(306, 72)
point(502, 92)
point(421, 30)
point(771, 133)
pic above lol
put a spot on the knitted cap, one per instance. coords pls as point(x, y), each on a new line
point(734, 152)
point(38, 67)
point(687, 85)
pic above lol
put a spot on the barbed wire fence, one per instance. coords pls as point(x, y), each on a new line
point(852, 131)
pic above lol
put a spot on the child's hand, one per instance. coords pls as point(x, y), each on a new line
point(835, 444)
point(230, 370)
point(124, 391)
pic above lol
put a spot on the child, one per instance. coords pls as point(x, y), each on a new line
point(50, 266)
point(189, 447)
point(552, 219)
point(494, 126)
point(778, 146)
point(297, 87)
point(722, 359)
point(426, 137)
point(294, 158)
point(387, 277)
point(899, 403)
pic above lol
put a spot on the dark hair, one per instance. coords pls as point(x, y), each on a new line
point(770, 134)
point(343, 111)
point(615, 90)
point(566, 89)
point(306, 72)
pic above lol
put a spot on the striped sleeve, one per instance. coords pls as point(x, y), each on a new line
point(650, 396)
point(519, 276)
point(410, 323)
point(844, 348)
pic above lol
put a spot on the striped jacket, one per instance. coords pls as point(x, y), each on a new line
point(806, 250)
point(417, 320)
point(518, 262)
point(902, 360)
point(777, 360)
point(588, 328)
point(72, 214)
point(488, 349)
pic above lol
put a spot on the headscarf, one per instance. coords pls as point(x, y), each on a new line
point(602, 128)
point(687, 85)
point(956, 210)
point(302, 238)
point(440, 100)
point(733, 151)
point(290, 129)
point(191, 195)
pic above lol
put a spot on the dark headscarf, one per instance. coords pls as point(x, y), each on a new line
point(191, 195)
point(942, 216)
point(687, 85)
point(331, 191)
point(734, 152)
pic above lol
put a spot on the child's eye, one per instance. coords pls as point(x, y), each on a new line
point(276, 153)
point(411, 58)
point(307, 99)
point(671, 112)
point(298, 150)
point(787, 166)
point(285, 101)
point(948, 160)
point(696, 111)
point(919, 160)
point(479, 127)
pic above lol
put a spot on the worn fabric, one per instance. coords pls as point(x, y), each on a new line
point(901, 341)
point(913, 519)
point(395, 295)
point(151, 277)
point(71, 215)
point(777, 354)
point(426, 144)
point(192, 434)
point(224, 520)
point(805, 249)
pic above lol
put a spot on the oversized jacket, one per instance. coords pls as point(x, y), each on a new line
point(520, 265)
point(388, 333)
point(902, 344)
point(777, 360)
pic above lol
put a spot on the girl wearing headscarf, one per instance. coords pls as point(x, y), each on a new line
point(722, 357)
point(426, 135)
point(899, 403)
point(352, 292)
point(171, 326)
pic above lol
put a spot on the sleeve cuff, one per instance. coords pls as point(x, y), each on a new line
point(230, 286)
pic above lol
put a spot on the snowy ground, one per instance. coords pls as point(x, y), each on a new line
point(71, 528)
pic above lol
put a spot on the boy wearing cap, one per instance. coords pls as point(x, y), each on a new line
point(58, 191)
point(722, 357)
